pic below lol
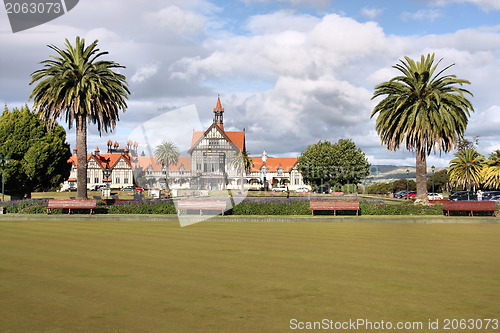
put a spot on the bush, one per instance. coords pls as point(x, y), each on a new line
point(399, 209)
point(157, 206)
point(27, 206)
point(258, 206)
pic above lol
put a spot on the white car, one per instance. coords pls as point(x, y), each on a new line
point(301, 190)
point(434, 196)
point(280, 189)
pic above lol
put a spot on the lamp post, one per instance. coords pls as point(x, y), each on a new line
point(4, 160)
point(107, 172)
point(468, 180)
point(433, 169)
point(407, 175)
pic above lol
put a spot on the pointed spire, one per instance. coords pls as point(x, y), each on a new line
point(219, 110)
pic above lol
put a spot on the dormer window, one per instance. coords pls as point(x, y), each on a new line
point(280, 171)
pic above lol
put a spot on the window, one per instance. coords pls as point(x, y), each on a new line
point(280, 171)
point(88, 180)
point(125, 180)
point(213, 142)
point(117, 180)
point(96, 180)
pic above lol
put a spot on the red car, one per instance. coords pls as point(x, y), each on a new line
point(412, 194)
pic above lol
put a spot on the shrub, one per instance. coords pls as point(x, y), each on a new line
point(399, 209)
point(258, 206)
point(27, 206)
point(157, 206)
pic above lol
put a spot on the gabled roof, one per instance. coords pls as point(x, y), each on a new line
point(103, 160)
point(236, 138)
point(143, 162)
point(273, 163)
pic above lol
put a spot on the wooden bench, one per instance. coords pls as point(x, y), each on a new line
point(201, 205)
point(72, 204)
point(470, 206)
point(334, 205)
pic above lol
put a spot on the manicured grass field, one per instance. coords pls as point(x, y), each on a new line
point(98, 276)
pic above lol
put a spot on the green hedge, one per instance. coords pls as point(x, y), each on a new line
point(272, 207)
point(399, 209)
point(142, 207)
point(249, 206)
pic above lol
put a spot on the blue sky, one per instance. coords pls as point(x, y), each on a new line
point(291, 72)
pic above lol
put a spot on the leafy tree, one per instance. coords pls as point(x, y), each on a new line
point(441, 181)
point(491, 171)
point(333, 164)
point(74, 85)
point(39, 159)
point(466, 168)
point(422, 111)
point(167, 154)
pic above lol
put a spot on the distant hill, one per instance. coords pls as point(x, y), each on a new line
point(389, 173)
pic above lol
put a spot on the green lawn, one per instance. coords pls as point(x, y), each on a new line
point(98, 276)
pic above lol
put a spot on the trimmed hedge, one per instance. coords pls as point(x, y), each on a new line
point(157, 206)
point(276, 206)
point(249, 206)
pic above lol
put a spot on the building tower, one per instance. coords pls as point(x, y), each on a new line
point(219, 117)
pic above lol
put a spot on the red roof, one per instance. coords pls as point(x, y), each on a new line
point(273, 163)
point(142, 162)
point(104, 160)
point(237, 138)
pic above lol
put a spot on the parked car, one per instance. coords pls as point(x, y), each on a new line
point(280, 189)
point(489, 194)
point(412, 194)
point(128, 188)
point(434, 196)
point(140, 189)
point(494, 198)
point(463, 195)
point(301, 190)
point(97, 187)
point(400, 194)
point(322, 189)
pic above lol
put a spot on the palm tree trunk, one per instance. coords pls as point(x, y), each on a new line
point(81, 157)
point(421, 175)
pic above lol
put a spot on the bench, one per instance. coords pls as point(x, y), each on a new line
point(71, 204)
point(334, 205)
point(470, 206)
point(201, 205)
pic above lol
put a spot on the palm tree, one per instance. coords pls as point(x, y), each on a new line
point(491, 171)
point(466, 168)
point(242, 163)
point(166, 154)
point(422, 111)
point(74, 85)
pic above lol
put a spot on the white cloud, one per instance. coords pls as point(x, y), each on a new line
point(422, 15)
point(371, 13)
point(175, 18)
point(144, 72)
point(484, 4)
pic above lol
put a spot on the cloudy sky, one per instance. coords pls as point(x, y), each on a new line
point(291, 72)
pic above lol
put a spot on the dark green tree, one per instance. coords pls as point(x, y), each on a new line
point(330, 164)
point(39, 159)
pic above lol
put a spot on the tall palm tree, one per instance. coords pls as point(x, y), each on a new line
point(242, 163)
point(167, 154)
point(466, 168)
point(491, 171)
point(77, 86)
point(422, 111)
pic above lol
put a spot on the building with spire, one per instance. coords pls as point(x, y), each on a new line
point(213, 152)
point(211, 164)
